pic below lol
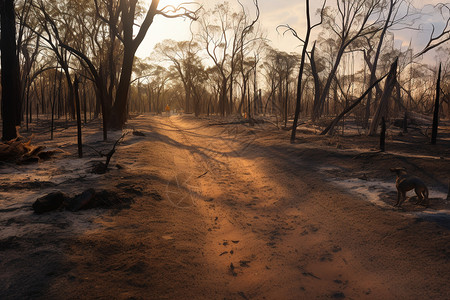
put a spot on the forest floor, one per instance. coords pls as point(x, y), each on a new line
point(228, 212)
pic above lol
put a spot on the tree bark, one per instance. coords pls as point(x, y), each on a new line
point(10, 70)
point(78, 109)
point(383, 106)
point(118, 113)
point(373, 68)
point(330, 127)
point(383, 135)
point(100, 84)
point(128, 8)
point(436, 109)
point(300, 75)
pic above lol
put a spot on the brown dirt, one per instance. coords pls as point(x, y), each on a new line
point(236, 212)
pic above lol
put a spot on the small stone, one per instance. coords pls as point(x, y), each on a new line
point(49, 202)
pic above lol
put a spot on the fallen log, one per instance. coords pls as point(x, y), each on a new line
point(23, 152)
point(86, 200)
point(52, 201)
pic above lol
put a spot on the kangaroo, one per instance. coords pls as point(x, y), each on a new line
point(405, 182)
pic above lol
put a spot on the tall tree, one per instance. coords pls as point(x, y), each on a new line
point(309, 28)
point(348, 21)
point(183, 56)
point(394, 16)
point(226, 36)
point(107, 46)
point(436, 108)
point(131, 41)
point(383, 106)
point(10, 70)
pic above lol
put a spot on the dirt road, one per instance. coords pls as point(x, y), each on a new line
point(228, 212)
point(299, 237)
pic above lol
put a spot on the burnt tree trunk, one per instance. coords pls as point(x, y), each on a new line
point(300, 75)
point(131, 42)
point(383, 135)
point(10, 70)
point(330, 128)
point(286, 99)
point(78, 109)
point(405, 122)
point(119, 109)
point(383, 106)
point(436, 109)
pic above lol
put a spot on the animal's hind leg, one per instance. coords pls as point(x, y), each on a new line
point(401, 198)
point(398, 198)
point(425, 200)
point(420, 196)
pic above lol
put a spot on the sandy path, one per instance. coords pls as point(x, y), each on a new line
point(290, 235)
point(223, 212)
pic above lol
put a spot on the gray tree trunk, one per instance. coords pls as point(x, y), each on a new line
point(384, 102)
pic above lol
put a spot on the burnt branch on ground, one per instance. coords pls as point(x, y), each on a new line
point(102, 167)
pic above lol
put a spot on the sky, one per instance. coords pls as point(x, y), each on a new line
point(275, 13)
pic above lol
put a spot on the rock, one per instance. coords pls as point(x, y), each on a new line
point(81, 201)
point(49, 202)
point(99, 168)
point(86, 200)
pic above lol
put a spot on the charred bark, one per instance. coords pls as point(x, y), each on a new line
point(383, 106)
point(383, 135)
point(436, 109)
point(78, 109)
point(10, 71)
point(330, 127)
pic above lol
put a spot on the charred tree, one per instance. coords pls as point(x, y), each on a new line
point(78, 109)
point(373, 67)
point(102, 168)
point(300, 75)
point(309, 28)
point(436, 109)
point(330, 127)
point(131, 41)
point(383, 106)
point(10, 71)
point(383, 135)
point(405, 122)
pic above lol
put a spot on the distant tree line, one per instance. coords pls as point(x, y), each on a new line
point(228, 67)
point(93, 39)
